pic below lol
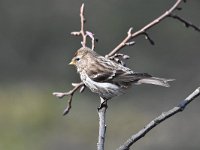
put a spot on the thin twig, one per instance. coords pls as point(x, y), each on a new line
point(149, 38)
point(187, 23)
point(82, 31)
point(83, 42)
point(102, 124)
point(70, 94)
point(91, 35)
point(82, 25)
point(143, 30)
point(159, 119)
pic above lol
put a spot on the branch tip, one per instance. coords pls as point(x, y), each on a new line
point(59, 94)
point(69, 106)
point(76, 33)
point(147, 37)
point(82, 32)
point(82, 8)
point(186, 23)
point(130, 43)
point(129, 31)
point(82, 88)
point(91, 35)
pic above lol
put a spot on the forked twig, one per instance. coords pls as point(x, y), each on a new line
point(143, 30)
point(102, 124)
point(165, 115)
point(77, 86)
point(83, 42)
point(82, 31)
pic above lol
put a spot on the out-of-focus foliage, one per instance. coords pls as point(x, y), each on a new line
point(35, 48)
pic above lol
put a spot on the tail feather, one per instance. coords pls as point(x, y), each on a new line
point(155, 81)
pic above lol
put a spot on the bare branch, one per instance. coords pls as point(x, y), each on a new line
point(122, 44)
point(82, 31)
point(80, 85)
point(70, 94)
point(159, 119)
point(82, 25)
point(187, 23)
point(102, 124)
point(144, 29)
point(91, 35)
point(82, 88)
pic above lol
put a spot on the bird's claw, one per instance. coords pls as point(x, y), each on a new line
point(102, 105)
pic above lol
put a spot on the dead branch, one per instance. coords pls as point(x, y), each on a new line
point(131, 36)
point(102, 124)
point(186, 23)
point(80, 85)
point(77, 86)
point(91, 35)
point(165, 115)
point(82, 31)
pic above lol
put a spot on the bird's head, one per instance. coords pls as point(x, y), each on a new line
point(81, 58)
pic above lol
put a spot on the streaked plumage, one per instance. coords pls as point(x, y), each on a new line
point(109, 78)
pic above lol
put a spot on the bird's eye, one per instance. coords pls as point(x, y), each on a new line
point(77, 59)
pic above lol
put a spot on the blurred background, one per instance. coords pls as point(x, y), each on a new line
point(36, 47)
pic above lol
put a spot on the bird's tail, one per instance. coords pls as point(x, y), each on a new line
point(155, 81)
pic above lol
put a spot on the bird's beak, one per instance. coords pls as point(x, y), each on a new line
point(72, 62)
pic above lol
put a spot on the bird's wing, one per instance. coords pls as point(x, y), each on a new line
point(101, 75)
point(101, 69)
point(130, 76)
point(118, 75)
point(107, 70)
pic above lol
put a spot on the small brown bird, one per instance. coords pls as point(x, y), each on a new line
point(107, 77)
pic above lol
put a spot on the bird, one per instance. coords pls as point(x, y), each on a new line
point(107, 77)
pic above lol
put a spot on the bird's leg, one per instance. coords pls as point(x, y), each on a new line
point(103, 104)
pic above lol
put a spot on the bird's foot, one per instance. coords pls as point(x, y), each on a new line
point(103, 105)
